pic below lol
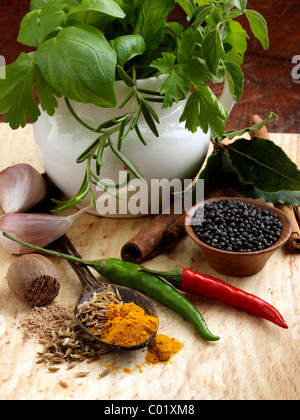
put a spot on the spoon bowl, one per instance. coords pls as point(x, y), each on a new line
point(127, 295)
point(92, 285)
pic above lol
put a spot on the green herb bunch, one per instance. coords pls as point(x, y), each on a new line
point(74, 59)
point(80, 47)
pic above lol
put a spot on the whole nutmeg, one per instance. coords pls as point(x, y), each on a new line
point(33, 280)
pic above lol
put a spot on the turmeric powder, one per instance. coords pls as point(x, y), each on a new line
point(128, 325)
point(162, 348)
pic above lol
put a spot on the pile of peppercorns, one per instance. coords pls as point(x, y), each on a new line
point(236, 226)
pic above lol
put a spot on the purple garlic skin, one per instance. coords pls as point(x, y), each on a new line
point(21, 188)
point(34, 228)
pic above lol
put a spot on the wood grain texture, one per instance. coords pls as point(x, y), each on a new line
point(269, 85)
point(254, 359)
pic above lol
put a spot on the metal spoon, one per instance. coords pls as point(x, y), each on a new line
point(91, 285)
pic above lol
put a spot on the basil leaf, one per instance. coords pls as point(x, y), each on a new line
point(37, 4)
point(94, 12)
point(188, 6)
point(80, 64)
point(235, 79)
point(132, 10)
point(37, 25)
point(127, 47)
point(240, 4)
point(200, 15)
point(29, 30)
point(73, 3)
point(265, 165)
point(259, 27)
point(175, 29)
point(151, 21)
point(235, 39)
point(202, 2)
point(234, 14)
point(212, 49)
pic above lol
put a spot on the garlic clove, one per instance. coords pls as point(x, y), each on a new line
point(36, 229)
point(21, 188)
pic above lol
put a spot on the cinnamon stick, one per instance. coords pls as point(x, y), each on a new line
point(297, 213)
point(150, 241)
point(293, 212)
point(162, 233)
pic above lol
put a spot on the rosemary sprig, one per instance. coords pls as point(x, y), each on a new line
point(122, 125)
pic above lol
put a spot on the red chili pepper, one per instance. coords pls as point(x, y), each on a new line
point(210, 287)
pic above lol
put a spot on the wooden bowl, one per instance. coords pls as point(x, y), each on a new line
point(239, 264)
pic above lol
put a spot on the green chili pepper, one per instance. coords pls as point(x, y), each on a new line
point(130, 275)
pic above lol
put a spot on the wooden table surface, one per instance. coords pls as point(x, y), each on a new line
point(254, 359)
point(269, 85)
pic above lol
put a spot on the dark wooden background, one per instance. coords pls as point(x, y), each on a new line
point(269, 85)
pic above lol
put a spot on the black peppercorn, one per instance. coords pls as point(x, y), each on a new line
point(236, 226)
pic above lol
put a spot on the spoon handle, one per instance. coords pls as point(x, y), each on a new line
point(86, 277)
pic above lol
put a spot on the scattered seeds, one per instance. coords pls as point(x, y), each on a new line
point(63, 384)
point(105, 373)
point(81, 374)
point(72, 365)
point(53, 369)
point(26, 333)
point(63, 340)
point(92, 313)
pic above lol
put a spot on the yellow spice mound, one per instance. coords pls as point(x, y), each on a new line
point(128, 325)
point(162, 348)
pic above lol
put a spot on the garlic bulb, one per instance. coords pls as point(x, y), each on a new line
point(21, 188)
point(36, 229)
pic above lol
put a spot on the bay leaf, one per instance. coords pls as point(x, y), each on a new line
point(265, 165)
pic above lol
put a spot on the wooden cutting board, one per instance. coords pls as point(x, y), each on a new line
point(254, 359)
